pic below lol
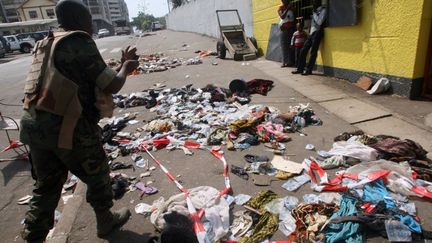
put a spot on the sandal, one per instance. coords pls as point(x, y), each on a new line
point(119, 166)
point(252, 158)
point(240, 172)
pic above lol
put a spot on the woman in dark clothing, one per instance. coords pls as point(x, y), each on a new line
point(287, 28)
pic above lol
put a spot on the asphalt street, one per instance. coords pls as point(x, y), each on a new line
point(13, 73)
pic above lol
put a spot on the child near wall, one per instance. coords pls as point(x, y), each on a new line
point(298, 40)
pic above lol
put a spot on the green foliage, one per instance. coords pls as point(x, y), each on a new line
point(161, 20)
point(143, 21)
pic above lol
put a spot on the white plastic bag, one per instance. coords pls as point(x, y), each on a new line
point(381, 86)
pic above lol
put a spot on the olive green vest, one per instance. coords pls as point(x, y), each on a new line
point(48, 90)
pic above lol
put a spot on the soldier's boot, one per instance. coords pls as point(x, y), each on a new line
point(108, 221)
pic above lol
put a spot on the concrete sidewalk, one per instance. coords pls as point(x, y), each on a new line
point(363, 112)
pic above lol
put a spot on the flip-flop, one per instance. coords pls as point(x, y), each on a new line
point(251, 158)
point(275, 146)
point(24, 200)
point(149, 190)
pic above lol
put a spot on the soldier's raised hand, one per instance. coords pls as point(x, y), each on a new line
point(130, 65)
point(129, 54)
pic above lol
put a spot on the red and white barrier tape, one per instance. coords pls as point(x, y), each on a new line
point(320, 181)
point(196, 216)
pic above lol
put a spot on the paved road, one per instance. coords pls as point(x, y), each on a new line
point(15, 179)
point(13, 73)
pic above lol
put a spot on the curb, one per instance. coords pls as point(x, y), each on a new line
point(301, 84)
point(70, 211)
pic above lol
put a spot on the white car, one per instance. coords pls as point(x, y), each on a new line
point(22, 45)
point(103, 33)
point(156, 26)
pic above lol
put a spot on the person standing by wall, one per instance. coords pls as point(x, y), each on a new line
point(298, 40)
point(313, 41)
point(287, 28)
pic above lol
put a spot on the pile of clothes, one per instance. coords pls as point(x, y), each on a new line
point(369, 197)
point(156, 62)
point(381, 173)
point(213, 116)
point(369, 193)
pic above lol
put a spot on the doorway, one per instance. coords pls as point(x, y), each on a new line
point(427, 81)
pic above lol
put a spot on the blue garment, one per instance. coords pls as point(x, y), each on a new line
point(376, 191)
point(347, 231)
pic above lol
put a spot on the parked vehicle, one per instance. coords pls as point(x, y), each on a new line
point(44, 33)
point(5, 43)
point(124, 30)
point(2, 50)
point(156, 26)
point(103, 33)
point(37, 36)
point(121, 27)
point(17, 44)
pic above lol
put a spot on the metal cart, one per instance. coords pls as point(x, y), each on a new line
point(234, 39)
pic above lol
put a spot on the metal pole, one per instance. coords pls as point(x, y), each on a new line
point(169, 10)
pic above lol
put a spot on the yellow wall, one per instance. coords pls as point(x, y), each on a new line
point(264, 14)
point(390, 38)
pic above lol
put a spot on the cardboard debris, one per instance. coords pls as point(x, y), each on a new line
point(282, 164)
point(364, 83)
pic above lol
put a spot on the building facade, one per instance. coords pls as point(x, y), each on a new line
point(36, 10)
point(385, 39)
point(101, 15)
point(106, 13)
point(118, 10)
point(9, 10)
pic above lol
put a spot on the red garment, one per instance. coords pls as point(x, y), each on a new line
point(289, 24)
point(299, 38)
point(259, 86)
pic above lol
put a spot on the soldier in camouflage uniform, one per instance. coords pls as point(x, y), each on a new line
point(76, 58)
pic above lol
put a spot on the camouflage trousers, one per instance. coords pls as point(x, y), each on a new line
point(50, 167)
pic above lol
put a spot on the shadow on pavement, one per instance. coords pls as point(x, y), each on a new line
point(13, 168)
point(127, 236)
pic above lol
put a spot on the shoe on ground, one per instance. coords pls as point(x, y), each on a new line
point(306, 73)
point(284, 65)
point(297, 72)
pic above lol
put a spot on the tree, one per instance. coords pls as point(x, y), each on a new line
point(161, 20)
point(143, 21)
point(177, 3)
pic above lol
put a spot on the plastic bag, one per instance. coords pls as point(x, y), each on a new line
point(296, 182)
point(381, 86)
